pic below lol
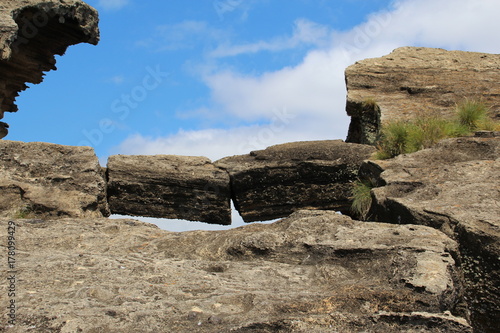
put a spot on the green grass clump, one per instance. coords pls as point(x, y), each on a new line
point(361, 198)
point(403, 137)
point(473, 115)
point(393, 140)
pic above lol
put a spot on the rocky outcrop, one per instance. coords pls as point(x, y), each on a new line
point(3, 129)
point(273, 183)
point(50, 181)
point(169, 186)
point(315, 271)
point(417, 81)
point(31, 33)
point(453, 187)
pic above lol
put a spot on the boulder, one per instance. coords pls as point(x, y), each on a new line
point(415, 81)
point(31, 33)
point(50, 181)
point(453, 187)
point(168, 186)
point(316, 271)
point(273, 183)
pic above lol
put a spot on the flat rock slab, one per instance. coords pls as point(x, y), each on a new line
point(453, 187)
point(48, 180)
point(315, 271)
point(415, 81)
point(275, 182)
point(169, 186)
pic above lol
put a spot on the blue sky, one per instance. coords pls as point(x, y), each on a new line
point(224, 77)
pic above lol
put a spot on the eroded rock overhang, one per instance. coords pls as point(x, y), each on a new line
point(32, 32)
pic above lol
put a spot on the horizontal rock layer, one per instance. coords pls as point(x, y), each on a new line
point(313, 272)
point(48, 180)
point(453, 187)
point(31, 33)
point(415, 81)
point(168, 186)
point(273, 183)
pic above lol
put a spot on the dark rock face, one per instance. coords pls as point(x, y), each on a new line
point(453, 187)
point(3, 129)
point(416, 80)
point(273, 183)
point(31, 33)
point(50, 181)
point(315, 271)
point(168, 186)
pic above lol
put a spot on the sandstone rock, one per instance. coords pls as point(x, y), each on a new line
point(3, 129)
point(315, 271)
point(415, 80)
point(273, 183)
point(168, 186)
point(47, 180)
point(31, 33)
point(453, 187)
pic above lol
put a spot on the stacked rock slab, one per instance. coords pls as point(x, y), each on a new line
point(169, 186)
point(453, 187)
point(48, 180)
point(275, 182)
point(31, 33)
point(315, 271)
point(415, 81)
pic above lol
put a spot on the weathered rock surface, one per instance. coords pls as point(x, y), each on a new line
point(315, 271)
point(49, 180)
point(273, 183)
point(169, 186)
point(31, 33)
point(415, 80)
point(454, 187)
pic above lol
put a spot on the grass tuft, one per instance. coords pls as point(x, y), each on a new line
point(403, 137)
point(361, 198)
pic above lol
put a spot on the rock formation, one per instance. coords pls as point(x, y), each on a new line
point(53, 181)
point(453, 187)
point(273, 183)
point(168, 186)
point(417, 81)
point(3, 129)
point(31, 33)
point(315, 271)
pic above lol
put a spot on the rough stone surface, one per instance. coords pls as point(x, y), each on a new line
point(273, 183)
point(315, 271)
point(169, 186)
point(415, 80)
point(50, 180)
point(31, 33)
point(454, 187)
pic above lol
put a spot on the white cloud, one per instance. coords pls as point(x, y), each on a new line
point(183, 35)
point(113, 4)
point(305, 33)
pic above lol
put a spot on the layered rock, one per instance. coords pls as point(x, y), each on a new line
point(453, 187)
point(49, 180)
point(168, 186)
point(315, 271)
point(31, 33)
point(415, 81)
point(273, 183)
